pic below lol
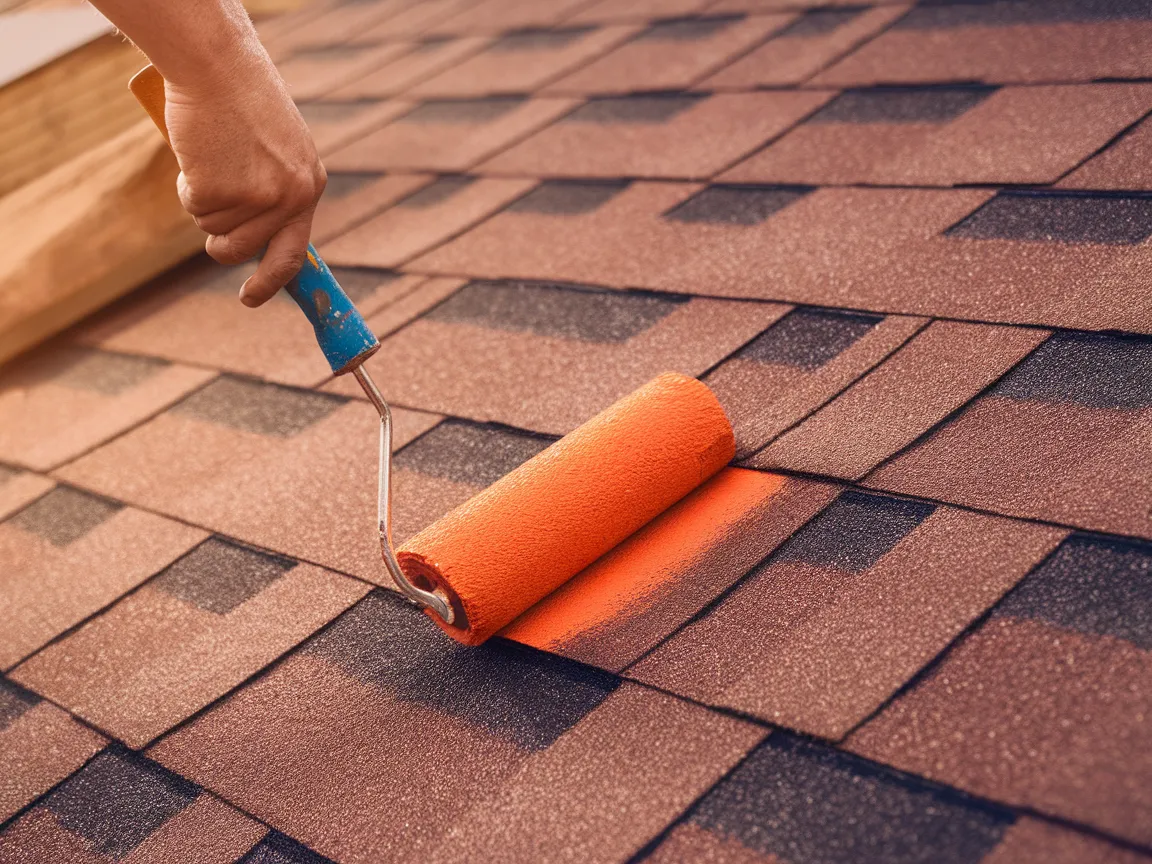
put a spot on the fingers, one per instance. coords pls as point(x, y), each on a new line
point(246, 241)
point(282, 261)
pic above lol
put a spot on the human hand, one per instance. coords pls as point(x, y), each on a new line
point(250, 174)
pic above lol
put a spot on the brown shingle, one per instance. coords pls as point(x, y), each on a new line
point(422, 221)
point(192, 315)
point(942, 137)
point(671, 55)
point(351, 198)
point(656, 135)
point(121, 807)
point(796, 53)
point(204, 466)
point(1063, 437)
point(448, 135)
point(605, 11)
point(40, 745)
point(1123, 165)
point(499, 16)
point(206, 623)
point(58, 402)
point(427, 58)
point(936, 373)
point(522, 62)
point(1044, 706)
point(797, 365)
point(312, 73)
point(40, 589)
point(19, 488)
point(1030, 42)
point(845, 613)
point(522, 754)
point(547, 357)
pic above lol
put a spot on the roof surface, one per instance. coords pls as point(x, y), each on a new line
point(909, 249)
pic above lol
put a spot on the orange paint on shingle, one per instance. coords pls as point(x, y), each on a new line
point(527, 534)
point(629, 579)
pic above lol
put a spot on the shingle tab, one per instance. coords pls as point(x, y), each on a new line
point(118, 799)
point(736, 205)
point(593, 316)
point(1091, 585)
point(218, 576)
point(469, 453)
point(265, 409)
point(1091, 369)
point(891, 105)
point(854, 532)
point(1048, 218)
point(808, 338)
point(65, 515)
point(807, 804)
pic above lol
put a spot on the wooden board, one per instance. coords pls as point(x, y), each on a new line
point(88, 232)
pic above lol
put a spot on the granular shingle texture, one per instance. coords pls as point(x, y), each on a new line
point(908, 248)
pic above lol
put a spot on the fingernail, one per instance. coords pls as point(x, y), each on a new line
point(247, 299)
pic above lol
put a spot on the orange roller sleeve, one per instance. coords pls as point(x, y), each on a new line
point(517, 541)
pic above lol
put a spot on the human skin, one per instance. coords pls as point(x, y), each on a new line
point(249, 171)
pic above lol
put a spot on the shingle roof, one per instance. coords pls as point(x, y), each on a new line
point(909, 247)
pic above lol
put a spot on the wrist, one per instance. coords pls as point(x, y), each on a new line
point(210, 46)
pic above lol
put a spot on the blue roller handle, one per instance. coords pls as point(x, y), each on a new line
point(341, 331)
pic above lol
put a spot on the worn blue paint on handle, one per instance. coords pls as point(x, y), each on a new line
point(343, 334)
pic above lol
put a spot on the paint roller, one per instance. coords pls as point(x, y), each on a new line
point(497, 555)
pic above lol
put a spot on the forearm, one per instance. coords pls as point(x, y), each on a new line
point(190, 42)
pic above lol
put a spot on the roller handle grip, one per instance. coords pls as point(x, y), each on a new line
point(341, 331)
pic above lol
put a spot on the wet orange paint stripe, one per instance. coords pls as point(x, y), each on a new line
point(630, 578)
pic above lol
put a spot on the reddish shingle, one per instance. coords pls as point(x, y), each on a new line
point(525, 757)
point(522, 62)
point(604, 11)
point(1123, 165)
point(19, 488)
point(936, 373)
point(66, 533)
point(40, 745)
point(1064, 437)
point(314, 72)
point(671, 55)
point(810, 43)
point(334, 124)
point(253, 461)
point(547, 357)
point(856, 603)
point(426, 59)
point(797, 365)
point(445, 208)
point(414, 21)
point(1004, 41)
point(333, 24)
point(942, 136)
point(1045, 705)
point(58, 402)
point(686, 135)
point(121, 807)
point(795, 801)
point(192, 315)
point(448, 135)
point(206, 623)
point(350, 198)
point(499, 16)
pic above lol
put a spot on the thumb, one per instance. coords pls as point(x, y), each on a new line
point(282, 260)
